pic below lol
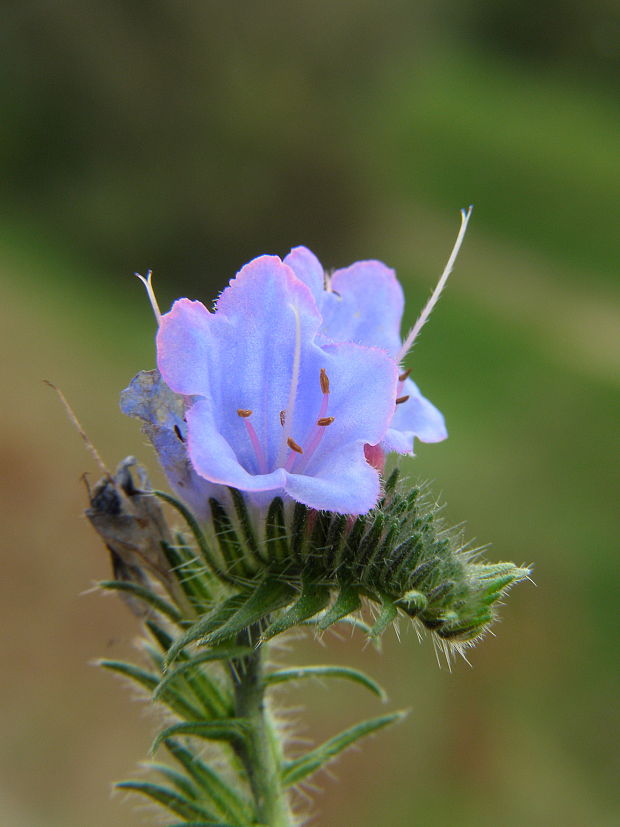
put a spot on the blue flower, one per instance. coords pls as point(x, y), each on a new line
point(364, 303)
point(271, 406)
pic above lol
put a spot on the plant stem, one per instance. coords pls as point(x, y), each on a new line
point(261, 753)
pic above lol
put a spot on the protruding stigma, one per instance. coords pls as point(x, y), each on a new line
point(324, 421)
point(426, 312)
point(150, 293)
point(324, 381)
point(244, 412)
point(294, 446)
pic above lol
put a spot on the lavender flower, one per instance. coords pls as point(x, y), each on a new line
point(364, 303)
point(273, 407)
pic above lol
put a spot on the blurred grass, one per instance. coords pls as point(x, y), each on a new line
point(521, 356)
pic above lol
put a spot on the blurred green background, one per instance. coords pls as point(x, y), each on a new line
point(191, 136)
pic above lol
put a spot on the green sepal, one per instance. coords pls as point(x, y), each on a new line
point(195, 529)
point(227, 801)
point(247, 530)
point(348, 601)
point(232, 730)
point(167, 798)
point(387, 615)
point(231, 548)
point(147, 680)
point(295, 771)
point(314, 598)
point(295, 673)
point(146, 595)
point(190, 572)
point(276, 538)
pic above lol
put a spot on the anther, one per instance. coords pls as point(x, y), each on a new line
point(405, 375)
point(282, 418)
point(401, 399)
point(244, 412)
point(324, 381)
point(294, 446)
point(324, 421)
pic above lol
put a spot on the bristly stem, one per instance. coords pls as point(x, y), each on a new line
point(261, 751)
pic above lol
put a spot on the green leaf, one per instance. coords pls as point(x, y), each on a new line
point(232, 730)
point(270, 595)
point(207, 624)
point(173, 699)
point(295, 771)
point(225, 798)
point(168, 798)
point(191, 664)
point(348, 601)
point(142, 593)
point(295, 673)
point(207, 691)
point(180, 781)
point(313, 599)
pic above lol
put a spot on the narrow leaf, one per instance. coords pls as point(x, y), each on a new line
point(232, 730)
point(192, 663)
point(296, 771)
point(142, 593)
point(173, 699)
point(314, 598)
point(269, 596)
point(207, 624)
point(180, 781)
point(295, 673)
point(226, 799)
point(167, 798)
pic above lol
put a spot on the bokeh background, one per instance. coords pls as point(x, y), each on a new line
point(191, 136)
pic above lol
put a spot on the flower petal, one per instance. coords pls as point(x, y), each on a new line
point(345, 485)
point(417, 417)
point(308, 268)
point(365, 305)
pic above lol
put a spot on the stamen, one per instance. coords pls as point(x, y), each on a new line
point(292, 394)
point(401, 399)
point(245, 413)
point(177, 431)
point(405, 375)
point(150, 293)
point(282, 418)
point(322, 421)
point(426, 312)
point(324, 381)
point(294, 446)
